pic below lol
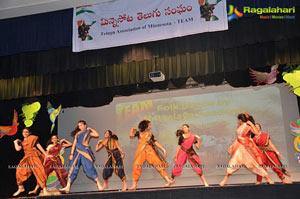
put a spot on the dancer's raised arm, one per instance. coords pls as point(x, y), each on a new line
point(198, 142)
point(132, 132)
point(253, 128)
point(66, 143)
point(18, 147)
point(99, 145)
point(94, 133)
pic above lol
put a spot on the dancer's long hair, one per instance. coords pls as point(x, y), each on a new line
point(28, 129)
point(143, 125)
point(76, 130)
point(258, 125)
point(245, 117)
point(50, 142)
point(179, 133)
point(112, 135)
point(186, 125)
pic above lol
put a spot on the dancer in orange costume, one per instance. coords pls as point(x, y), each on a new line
point(146, 151)
point(185, 151)
point(32, 162)
point(244, 151)
point(270, 155)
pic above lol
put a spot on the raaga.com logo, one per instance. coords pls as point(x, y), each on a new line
point(264, 13)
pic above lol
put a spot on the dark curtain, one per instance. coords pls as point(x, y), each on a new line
point(36, 32)
point(178, 66)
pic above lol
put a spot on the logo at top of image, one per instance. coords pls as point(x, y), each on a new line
point(233, 13)
point(207, 9)
point(83, 27)
point(264, 13)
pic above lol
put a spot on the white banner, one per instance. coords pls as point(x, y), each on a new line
point(123, 22)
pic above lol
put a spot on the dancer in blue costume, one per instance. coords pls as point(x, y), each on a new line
point(82, 154)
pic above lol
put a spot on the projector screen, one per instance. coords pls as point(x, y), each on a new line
point(211, 113)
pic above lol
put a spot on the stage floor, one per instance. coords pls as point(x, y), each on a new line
point(247, 191)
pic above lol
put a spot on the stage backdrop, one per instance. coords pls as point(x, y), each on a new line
point(211, 113)
point(124, 22)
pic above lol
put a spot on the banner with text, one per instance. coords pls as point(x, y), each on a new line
point(124, 22)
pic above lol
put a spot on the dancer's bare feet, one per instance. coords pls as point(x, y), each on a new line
point(133, 187)
point(222, 183)
point(20, 190)
point(100, 188)
point(125, 188)
point(258, 183)
point(66, 189)
point(35, 190)
point(105, 185)
point(45, 192)
point(170, 182)
point(284, 181)
point(204, 180)
point(270, 181)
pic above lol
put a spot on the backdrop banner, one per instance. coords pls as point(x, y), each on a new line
point(124, 22)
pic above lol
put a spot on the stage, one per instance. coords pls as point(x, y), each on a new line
point(237, 191)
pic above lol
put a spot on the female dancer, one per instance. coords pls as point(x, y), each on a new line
point(270, 155)
point(31, 163)
point(244, 151)
point(82, 154)
point(114, 162)
point(54, 163)
point(185, 151)
point(146, 150)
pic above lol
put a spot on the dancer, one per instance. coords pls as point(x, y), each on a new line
point(114, 162)
point(146, 150)
point(32, 162)
point(185, 151)
point(82, 154)
point(270, 155)
point(244, 151)
point(54, 163)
